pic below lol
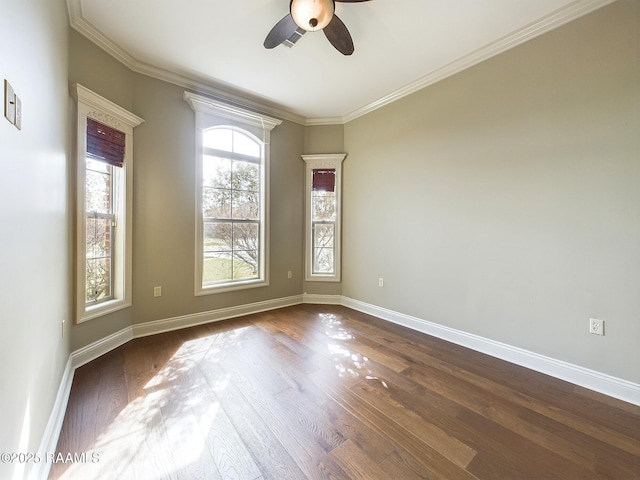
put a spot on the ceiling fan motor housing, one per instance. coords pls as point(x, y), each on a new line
point(312, 15)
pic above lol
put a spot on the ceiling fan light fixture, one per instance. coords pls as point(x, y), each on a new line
point(312, 15)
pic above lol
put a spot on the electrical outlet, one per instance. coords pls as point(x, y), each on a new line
point(596, 326)
point(381, 282)
point(157, 291)
point(289, 274)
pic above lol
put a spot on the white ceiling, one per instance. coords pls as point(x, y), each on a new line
point(215, 46)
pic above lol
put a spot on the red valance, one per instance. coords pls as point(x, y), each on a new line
point(105, 143)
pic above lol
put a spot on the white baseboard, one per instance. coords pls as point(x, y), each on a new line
point(50, 437)
point(102, 346)
point(184, 321)
point(113, 341)
point(599, 382)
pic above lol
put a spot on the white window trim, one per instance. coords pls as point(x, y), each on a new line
point(210, 113)
point(92, 105)
point(330, 160)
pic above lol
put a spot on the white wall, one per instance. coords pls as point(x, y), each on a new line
point(34, 223)
point(505, 200)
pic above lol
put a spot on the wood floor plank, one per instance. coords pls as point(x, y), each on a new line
point(357, 464)
point(211, 428)
point(441, 441)
point(502, 452)
point(424, 454)
point(271, 457)
point(502, 412)
point(303, 446)
point(322, 391)
point(311, 418)
point(567, 416)
point(399, 466)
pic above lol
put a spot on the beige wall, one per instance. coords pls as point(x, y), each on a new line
point(35, 257)
point(323, 139)
point(164, 199)
point(505, 202)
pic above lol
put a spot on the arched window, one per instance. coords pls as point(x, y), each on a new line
point(232, 188)
point(232, 205)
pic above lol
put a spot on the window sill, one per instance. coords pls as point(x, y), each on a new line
point(230, 287)
point(101, 309)
point(322, 278)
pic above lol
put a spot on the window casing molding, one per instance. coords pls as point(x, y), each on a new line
point(212, 113)
point(315, 162)
point(92, 105)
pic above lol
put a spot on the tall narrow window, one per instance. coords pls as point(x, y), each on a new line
point(232, 202)
point(232, 192)
point(323, 220)
point(323, 217)
point(104, 212)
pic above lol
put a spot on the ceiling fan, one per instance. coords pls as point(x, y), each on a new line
point(311, 16)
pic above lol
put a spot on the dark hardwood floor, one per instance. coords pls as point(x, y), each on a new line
point(317, 391)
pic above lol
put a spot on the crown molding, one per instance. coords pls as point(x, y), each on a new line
point(324, 121)
point(188, 81)
point(232, 96)
point(572, 11)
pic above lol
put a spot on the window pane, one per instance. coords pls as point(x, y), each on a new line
point(217, 237)
point(245, 236)
point(245, 265)
point(98, 237)
point(246, 176)
point(246, 205)
point(324, 206)
point(98, 259)
point(98, 279)
point(98, 187)
point(245, 145)
point(219, 138)
point(216, 172)
point(217, 267)
point(323, 237)
point(245, 250)
point(216, 203)
point(323, 261)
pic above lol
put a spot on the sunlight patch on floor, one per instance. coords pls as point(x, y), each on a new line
point(163, 425)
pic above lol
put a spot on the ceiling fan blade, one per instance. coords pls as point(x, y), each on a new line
point(339, 36)
point(283, 30)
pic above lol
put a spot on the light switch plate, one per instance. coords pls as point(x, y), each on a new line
point(9, 102)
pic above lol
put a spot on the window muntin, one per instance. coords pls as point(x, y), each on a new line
point(232, 207)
